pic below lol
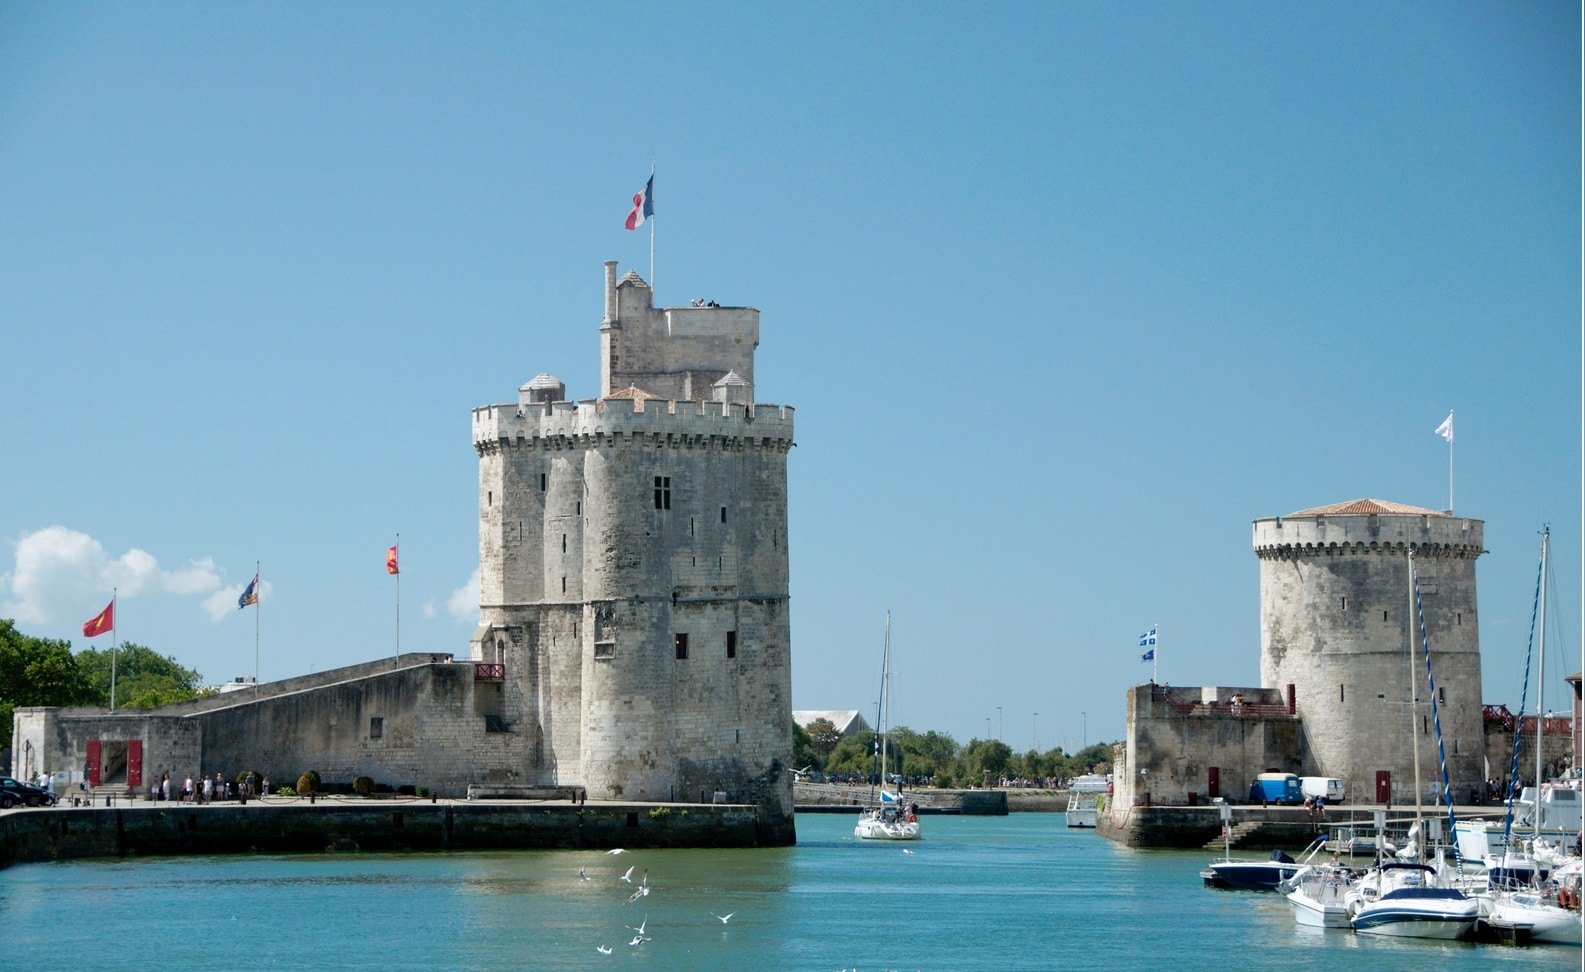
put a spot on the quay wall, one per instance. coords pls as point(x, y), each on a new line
point(64, 833)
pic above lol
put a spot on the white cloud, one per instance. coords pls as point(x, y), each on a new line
point(463, 604)
point(59, 570)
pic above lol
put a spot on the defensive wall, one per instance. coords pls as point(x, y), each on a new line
point(63, 833)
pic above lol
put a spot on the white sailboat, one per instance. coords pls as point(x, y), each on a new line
point(890, 820)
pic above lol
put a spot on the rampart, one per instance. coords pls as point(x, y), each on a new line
point(566, 425)
point(415, 825)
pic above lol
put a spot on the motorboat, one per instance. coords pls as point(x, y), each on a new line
point(1085, 796)
point(1546, 915)
point(1320, 895)
point(1251, 875)
point(1402, 899)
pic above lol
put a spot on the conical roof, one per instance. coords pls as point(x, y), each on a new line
point(1362, 507)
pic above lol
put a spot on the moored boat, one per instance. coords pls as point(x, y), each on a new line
point(1320, 896)
point(1401, 899)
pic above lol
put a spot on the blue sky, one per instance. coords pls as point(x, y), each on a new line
point(1065, 297)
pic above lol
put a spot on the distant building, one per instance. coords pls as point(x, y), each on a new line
point(847, 721)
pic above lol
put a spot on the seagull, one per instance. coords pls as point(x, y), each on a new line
point(582, 874)
point(724, 918)
point(615, 851)
point(637, 939)
point(908, 852)
point(628, 877)
point(603, 949)
point(637, 894)
point(640, 928)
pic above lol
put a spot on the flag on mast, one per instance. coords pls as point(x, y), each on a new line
point(643, 205)
point(103, 621)
point(390, 560)
point(250, 595)
point(1445, 430)
point(1147, 641)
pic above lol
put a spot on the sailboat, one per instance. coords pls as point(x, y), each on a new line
point(890, 820)
point(1543, 913)
point(1404, 898)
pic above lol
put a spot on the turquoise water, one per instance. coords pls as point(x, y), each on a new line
point(979, 892)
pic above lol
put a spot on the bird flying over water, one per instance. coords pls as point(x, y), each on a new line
point(603, 949)
point(628, 877)
point(640, 928)
point(637, 939)
point(908, 852)
point(724, 918)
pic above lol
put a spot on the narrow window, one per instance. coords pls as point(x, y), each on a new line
point(564, 583)
point(489, 497)
point(1441, 695)
point(376, 727)
point(1341, 695)
point(680, 642)
point(662, 492)
point(580, 507)
point(1460, 617)
point(731, 644)
point(1345, 604)
point(1384, 615)
point(563, 543)
point(723, 514)
point(718, 563)
point(544, 481)
point(690, 526)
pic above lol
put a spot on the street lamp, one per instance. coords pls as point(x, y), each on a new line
point(998, 723)
point(987, 727)
point(1086, 723)
point(1034, 732)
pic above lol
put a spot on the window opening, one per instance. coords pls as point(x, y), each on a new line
point(662, 492)
point(680, 643)
point(731, 644)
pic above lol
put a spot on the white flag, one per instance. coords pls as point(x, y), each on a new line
point(1445, 430)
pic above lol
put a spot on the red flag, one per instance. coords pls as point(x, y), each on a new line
point(390, 561)
point(103, 621)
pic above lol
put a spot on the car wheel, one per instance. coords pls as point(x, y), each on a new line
point(6, 801)
point(34, 801)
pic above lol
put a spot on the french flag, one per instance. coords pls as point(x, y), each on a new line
point(643, 205)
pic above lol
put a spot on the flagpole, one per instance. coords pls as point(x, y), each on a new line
point(1450, 468)
point(256, 594)
point(398, 595)
point(113, 592)
point(651, 234)
point(1155, 653)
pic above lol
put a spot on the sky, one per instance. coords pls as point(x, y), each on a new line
point(1065, 296)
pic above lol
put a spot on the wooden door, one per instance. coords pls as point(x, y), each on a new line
point(134, 763)
point(93, 762)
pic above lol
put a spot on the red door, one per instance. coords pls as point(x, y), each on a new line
point(1214, 782)
point(93, 762)
point(1383, 786)
point(134, 763)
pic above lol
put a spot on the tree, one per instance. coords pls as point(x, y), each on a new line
point(803, 752)
point(144, 678)
point(824, 736)
point(36, 671)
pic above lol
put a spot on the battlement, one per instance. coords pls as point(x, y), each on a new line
point(587, 423)
point(1332, 534)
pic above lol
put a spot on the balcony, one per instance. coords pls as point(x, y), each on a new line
point(489, 672)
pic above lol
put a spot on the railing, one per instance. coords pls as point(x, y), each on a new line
point(1552, 726)
point(489, 672)
point(1239, 710)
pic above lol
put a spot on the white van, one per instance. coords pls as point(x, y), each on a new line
point(1322, 786)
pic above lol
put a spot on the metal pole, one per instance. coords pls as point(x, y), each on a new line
point(1085, 716)
point(256, 599)
point(1414, 712)
point(113, 623)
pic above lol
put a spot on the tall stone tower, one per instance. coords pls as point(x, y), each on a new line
point(633, 566)
point(1334, 630)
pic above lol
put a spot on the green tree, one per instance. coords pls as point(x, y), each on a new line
point(824, 736)
point(803, 752)
point(144, 678)
point(36, 671)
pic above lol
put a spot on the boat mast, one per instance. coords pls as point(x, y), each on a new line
point(886, 698)
point(1540, 691)
point(1414, 714)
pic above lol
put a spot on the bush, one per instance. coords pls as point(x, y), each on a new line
point(659, 813)
point(422, 791)
point(285, 791)
point(308, 782)
point(363, 786)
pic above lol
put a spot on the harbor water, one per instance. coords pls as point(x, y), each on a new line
point(1021, 891)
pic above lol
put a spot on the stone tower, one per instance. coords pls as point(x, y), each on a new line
point(1334, 624)
point(633, 566)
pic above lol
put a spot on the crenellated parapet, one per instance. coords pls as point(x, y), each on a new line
point(1428, 534)
point(555, 426)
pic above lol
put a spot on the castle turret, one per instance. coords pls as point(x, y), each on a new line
point(635, 546)
point(1334, 635)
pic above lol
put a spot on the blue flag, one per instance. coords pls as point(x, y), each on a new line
point(1148, 656)
point(250, 595)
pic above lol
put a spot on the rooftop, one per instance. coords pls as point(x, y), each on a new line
point(1361, 507)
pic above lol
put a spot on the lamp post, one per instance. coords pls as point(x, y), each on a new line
point(1034, 732)
point(987, 727)
point(1086, 724)
point(998, 723)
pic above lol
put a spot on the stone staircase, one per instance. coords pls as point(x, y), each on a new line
point(1239, 832)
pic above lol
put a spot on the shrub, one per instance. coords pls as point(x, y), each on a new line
point(285, 791)
point(422, 791)
point(363, 786)
point(659, 813)
point(308, 782)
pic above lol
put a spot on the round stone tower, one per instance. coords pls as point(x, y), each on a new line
point(1334, 633)
point(633, 567)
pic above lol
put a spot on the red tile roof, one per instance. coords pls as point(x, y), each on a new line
point(1363, 506)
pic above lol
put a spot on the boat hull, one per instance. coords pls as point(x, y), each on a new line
point(1248, 875)
point(1315, 914)
point(1547, 922)
point(868, 829)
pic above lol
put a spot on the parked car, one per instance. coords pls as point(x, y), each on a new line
point(13, 792)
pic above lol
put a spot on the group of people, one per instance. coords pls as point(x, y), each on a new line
point(209, 789)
